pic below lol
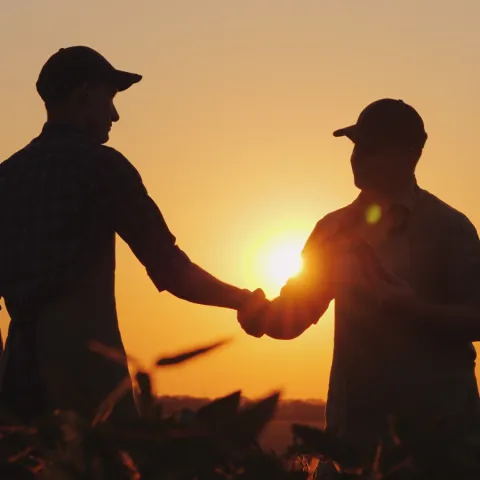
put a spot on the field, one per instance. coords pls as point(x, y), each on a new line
point(277, 435)
point(233, 437)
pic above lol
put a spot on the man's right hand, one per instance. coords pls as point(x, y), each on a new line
point(252, 315)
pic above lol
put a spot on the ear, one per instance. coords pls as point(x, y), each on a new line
point(410, 158)
point(402, 154)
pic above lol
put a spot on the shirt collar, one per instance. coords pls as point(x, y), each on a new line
point(62, 129)
point(407, 198)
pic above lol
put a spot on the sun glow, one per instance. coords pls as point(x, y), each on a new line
point(283, 262)
point(277, 259)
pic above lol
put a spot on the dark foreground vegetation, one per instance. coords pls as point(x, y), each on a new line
point(220, 440)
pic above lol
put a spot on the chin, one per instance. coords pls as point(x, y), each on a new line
point(359, 183)
point(364, 183)
point(104, 138)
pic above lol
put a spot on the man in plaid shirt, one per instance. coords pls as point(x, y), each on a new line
point(64, 197)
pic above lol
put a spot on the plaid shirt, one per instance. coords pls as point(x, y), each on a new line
point(63, 199)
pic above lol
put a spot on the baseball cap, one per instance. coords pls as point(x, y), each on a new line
point(73, 66)
point(387, 122)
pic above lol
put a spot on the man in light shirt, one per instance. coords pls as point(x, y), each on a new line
point(408, 309)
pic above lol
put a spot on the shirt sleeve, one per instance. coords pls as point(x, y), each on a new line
point(132, 213)
point(463, 258)
point(309, 293)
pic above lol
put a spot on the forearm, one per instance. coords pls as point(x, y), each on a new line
point(279, 329)
point(170, 268)
point(196, 285)
point(287, 320)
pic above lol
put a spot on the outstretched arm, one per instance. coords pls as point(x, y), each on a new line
point(137, 219)
point(306, 297)
point(293, 312)
point(194, 284)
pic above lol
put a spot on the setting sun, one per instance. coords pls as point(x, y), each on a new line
point(274, 260)
point(283, 262)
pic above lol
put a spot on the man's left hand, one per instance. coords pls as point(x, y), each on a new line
point(387, 288)
point(394, 292)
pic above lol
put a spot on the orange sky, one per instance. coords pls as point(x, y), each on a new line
point(231, 129)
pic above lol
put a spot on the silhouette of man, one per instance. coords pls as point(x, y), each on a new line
point(64, 197)
point(404, 270)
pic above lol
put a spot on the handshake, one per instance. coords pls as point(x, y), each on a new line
point(258, 316)
point(254, 312)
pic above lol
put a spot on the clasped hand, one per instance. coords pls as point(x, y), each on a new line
point(342, 256)
point(253, 313)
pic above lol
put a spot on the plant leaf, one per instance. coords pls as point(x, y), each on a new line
point(183, 357)
point(106, 407)
point(113, 354)
point(220, 410)
point(244, 429)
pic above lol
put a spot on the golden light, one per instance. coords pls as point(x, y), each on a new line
point(274, 260)
point(283, 261)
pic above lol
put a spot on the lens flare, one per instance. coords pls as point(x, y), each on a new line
point(373, 214)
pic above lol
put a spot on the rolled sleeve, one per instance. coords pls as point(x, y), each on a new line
point(132, 213)
point(309, 292)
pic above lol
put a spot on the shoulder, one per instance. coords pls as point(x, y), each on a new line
point(110, 166)
point(334, 217)
point(332, 220)
point(328, 225)
point(445, 216)
point(14, 168)
point(9, 162)
point(93, 166)
point(112, 158)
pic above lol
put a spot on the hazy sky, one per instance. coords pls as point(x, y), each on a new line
point(231, 130)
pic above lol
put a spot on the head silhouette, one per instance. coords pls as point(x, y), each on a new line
point(78, 86)
point(388, 138)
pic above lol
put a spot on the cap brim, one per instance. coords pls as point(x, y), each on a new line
point(348, 132)
point(124, 80)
